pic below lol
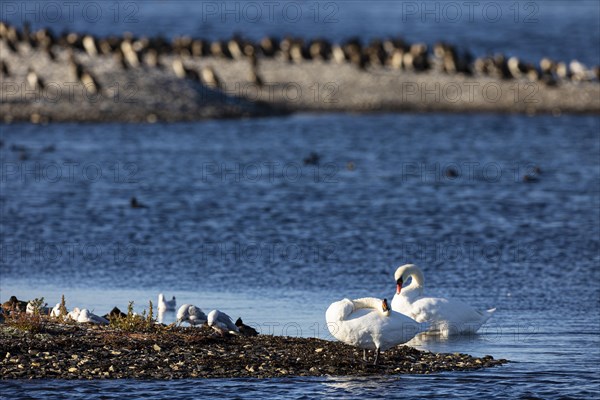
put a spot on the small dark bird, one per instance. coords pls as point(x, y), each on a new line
point(312, 159)
point(14, 304)
point(244, 329)
point(530, 178)
point(114, 314)
point(451, 173)
point(135, 204)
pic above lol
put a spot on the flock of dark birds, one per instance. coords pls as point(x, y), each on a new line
point(133, 52)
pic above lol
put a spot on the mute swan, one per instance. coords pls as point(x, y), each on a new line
point(448, 317)
point(191, 314)
point(222, 323)
point(166, 305)
point(368, 323)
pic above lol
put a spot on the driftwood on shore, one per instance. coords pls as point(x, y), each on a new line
point(67, 351)
point(69, 84)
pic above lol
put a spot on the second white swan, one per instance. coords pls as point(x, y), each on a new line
point(447, 317)
point(369, 324)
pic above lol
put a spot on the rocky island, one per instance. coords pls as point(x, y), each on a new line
point(72, 351)
point(79, 77)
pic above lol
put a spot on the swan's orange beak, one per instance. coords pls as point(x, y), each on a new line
point(399, 286)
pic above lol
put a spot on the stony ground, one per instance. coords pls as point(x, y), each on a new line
point(69, 351)
point(150, 94)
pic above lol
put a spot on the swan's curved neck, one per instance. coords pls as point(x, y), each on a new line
point(368, 302)
point(417, 280)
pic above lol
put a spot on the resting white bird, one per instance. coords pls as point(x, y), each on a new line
point(369, 324)
point(74, 314)
point(86, 316)
point(31, 309)
point(446, 317)
point(222, 323)
point(166, 305)
point(56, 312)
point(191, 314)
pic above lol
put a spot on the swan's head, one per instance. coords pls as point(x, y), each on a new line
point(385, 308)
point(402, 274)
point(161, 298)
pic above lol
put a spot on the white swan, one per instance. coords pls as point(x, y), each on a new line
point(369, 324)
point(222, 323)
point(86, 316)
point(191, 314)
point(166, 305)
point(447, 317)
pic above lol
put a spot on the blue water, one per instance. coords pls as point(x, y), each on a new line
point(237, 221)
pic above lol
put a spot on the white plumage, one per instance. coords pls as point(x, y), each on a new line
point(191, 314)
point(446, 317)
point(222, 323)
point(369, 324)
point(86, 316)
point(166, 305)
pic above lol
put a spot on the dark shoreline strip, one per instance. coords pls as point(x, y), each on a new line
point(92, 352)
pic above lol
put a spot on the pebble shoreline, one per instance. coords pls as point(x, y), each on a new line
point(69, 351)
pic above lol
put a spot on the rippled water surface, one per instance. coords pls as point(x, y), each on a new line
point(235, 220)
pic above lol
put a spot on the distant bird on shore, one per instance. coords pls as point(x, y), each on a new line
point(89, 44)
point(57, 311)
point(86, 316)
point(166, 305)
point(34, 80)
point(14, 304)
point(222, 323)
point(114, 313)
point(190, 314)
point(31, 309)
point(183, 72)
point(129, 53)
point(89, 82)
point(209, 77)
point(74, 314)
point(245, 330)
point(370, 324)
